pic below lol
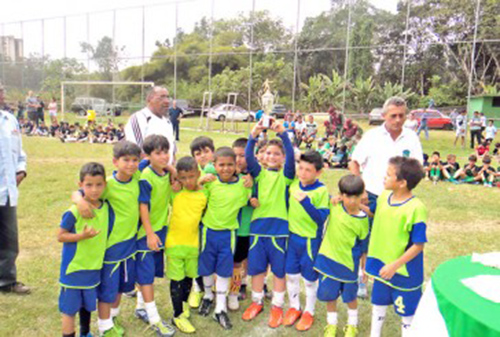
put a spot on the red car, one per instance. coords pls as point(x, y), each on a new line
point(435, 119)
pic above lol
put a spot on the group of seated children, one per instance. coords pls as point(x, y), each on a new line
point(75, 133)
point(233, 212)
point(449, 170)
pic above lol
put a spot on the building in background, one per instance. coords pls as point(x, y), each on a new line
point(11, 49)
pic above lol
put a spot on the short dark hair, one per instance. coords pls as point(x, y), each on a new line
point(186, 164)
point(312, 157)
point(472, 157)
point(224, 151)
point(437, 153)
point(201, 142)
point(261, 145)
point(240, 142)
point(486, 160)
point(408, 169)
point(92, 169)
point(426, 156)
point(155, 142)
point(276, 142)
point(126, 148)
point(351, 185)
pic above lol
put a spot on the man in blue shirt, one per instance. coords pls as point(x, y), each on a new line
point(175, 114)
point(12, 172)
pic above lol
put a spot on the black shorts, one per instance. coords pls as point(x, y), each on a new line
point(242, 247)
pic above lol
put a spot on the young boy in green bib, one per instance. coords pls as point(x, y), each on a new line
point(155, 194)
point(342, 253)
point(227, 194)
point(84, 247)
point(183, 242)
point(396, 249)
point(202, 149)
point(307, 212)
point(238, 283)
point(118, 273)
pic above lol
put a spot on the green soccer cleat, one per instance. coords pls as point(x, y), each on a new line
point(183, 324)
point(351, 331)
point(195, 298)
point(162, 329)
point(330, 330)
point(113, 332)
point(186, 310)
point(118, 326)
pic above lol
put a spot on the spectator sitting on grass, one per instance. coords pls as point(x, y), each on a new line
point(496, 152)
point(340, 159)
point(41, 130)
point(483, 149)
point(329, 129)
point(487, 173)
point(349, 131)
point(469, 172)
point(435, 167)
point(54, 129)
point(450, 167)
point(310, 131)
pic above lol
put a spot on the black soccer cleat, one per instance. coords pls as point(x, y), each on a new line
point(205, 307)
point(223, 319)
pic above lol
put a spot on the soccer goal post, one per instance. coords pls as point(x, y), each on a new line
point(66, 84)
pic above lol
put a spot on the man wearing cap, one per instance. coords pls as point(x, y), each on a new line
point(12, 173)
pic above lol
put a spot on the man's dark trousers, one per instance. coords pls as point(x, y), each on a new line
point(9, 245)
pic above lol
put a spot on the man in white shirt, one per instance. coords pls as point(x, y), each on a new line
point(371, 156)
point(152, 120)
point(12, 172)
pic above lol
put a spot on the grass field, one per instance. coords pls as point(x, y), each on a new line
point(463, 219)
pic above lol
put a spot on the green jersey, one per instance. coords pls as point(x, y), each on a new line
point(124, 198)
point(82, 261)
point(224, 203)
point(307, 218)
point(156, 192)
point(343, 244)
point(396, 227)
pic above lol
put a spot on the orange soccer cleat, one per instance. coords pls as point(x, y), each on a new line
point(305, 322)
point(276, 317)
point(252, 311)
point(291, 316)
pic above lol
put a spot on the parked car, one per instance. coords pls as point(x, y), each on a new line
point(222, 112)
point(375, 117)
point(278, 111)
point(187, 110)
point(81, 104)
point(436, 119)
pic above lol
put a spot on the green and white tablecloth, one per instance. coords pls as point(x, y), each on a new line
point(450, 309)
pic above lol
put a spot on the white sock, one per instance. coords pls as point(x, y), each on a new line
point(332, 318)
point(196, 287)
point(257, 297)
point(104, 325)
point(293, 288)
point(311, 295)
point(352, 317)
point(378, 317)
point(208, 283)
point(244, 281)
point(140, 301)
point(115, 312)
point(153, 315)
point(278, 299)
point(406, 325)
point(221, 287)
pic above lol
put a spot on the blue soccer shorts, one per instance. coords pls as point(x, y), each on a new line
point(300, 256)
point(217, 250)
point(72, 300)
point(405, 302)
point(266, 251)
point(330, 289)
point(116, 278)
point(149, 265)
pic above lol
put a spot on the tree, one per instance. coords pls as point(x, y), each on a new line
point(106, 55)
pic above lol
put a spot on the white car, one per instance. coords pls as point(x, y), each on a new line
point(223, 112)
point(375, 117)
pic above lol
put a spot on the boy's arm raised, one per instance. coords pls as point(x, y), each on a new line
point(252, 163)
point(289, 169)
